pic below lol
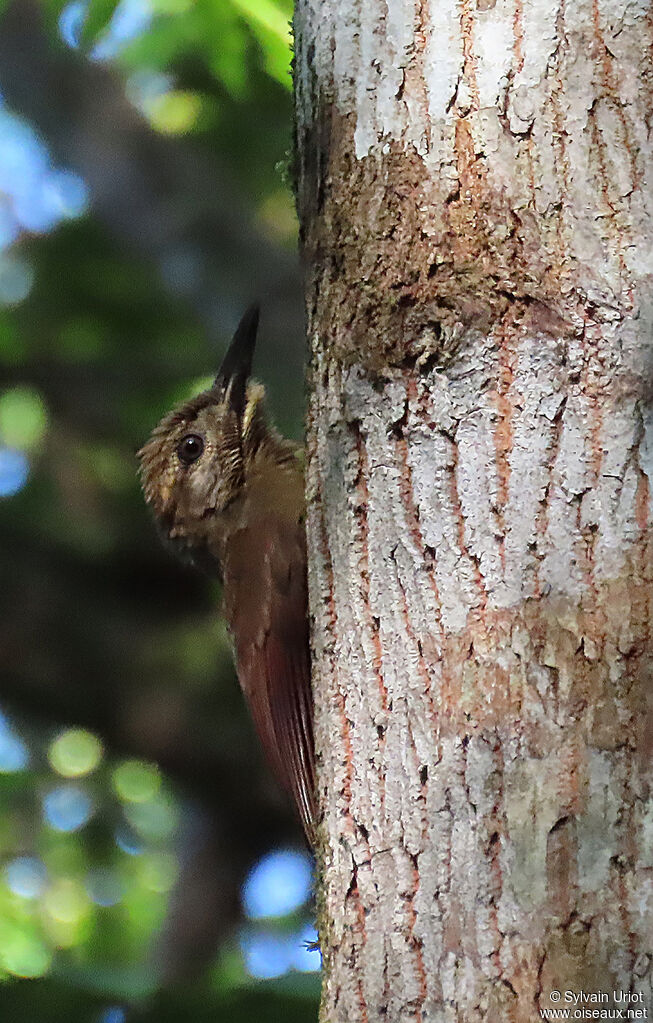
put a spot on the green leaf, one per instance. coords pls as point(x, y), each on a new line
point(269, 22)
point(268, 15)
point(98, 16)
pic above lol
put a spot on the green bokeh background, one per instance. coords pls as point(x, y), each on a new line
point(116, 668)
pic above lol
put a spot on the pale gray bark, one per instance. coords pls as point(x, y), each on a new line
point(474, 189)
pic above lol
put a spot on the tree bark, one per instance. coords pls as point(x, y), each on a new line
point(474, 194)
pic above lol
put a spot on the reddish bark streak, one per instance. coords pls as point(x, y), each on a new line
point(596, 426)
point(518, 65)
point(595, 613)
point(421, 665)
point(503, 435)
point(412, 521)
point(530, 162)
point(469, 171)
point(612, 90)
point(642, 504)
point(360, 912)
point(629, 852)
point(372, 625)
point(616, 230)
point(518, 31)
point(469, 59)
point(363, 527)
point(560, 135)
point(572, 775)
point(618, 241)
point(414, 78)
point(417, 945)
point(412, 516)
point(542, 520)
point(361, 519)
point(460, 524)
point(642, 498)
point(494, 852)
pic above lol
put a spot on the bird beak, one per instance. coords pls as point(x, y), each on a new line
point(237, 364)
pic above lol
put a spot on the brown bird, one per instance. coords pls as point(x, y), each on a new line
point(227, 492)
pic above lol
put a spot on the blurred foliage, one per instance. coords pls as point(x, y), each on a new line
point(188, 29)
point(133, 801)
point(51, 1002)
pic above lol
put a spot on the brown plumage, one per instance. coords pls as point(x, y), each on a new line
point(228, 493)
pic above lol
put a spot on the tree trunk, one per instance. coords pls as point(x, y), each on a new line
point(474, 194)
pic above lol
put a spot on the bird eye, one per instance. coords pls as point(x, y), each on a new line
point(190, 448)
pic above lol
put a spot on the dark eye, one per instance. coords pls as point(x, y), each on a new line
point(190, 448)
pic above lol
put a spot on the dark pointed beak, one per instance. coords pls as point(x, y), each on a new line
point(236, 366)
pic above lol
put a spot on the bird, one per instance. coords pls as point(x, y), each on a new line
point(227, 493)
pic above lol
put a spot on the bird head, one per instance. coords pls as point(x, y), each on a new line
point(195, 463)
